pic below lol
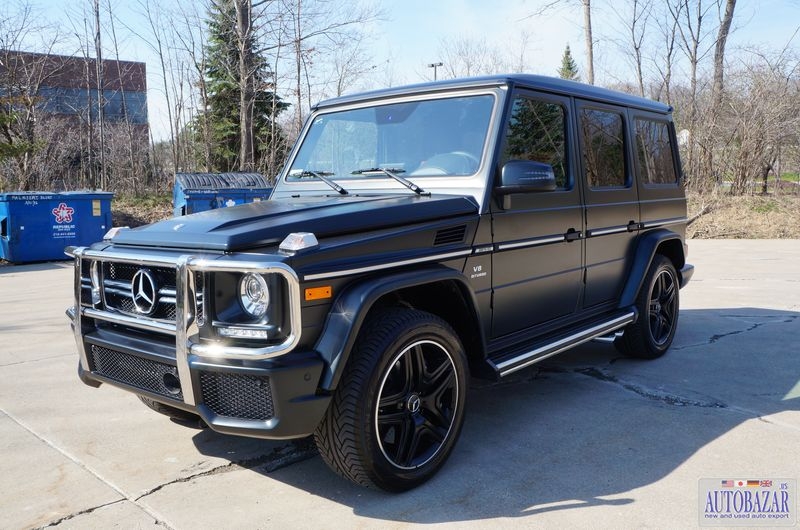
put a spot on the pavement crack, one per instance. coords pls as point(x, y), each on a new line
point(783, 319)
point(653, 395)
point(280, 457)
point(78, 514)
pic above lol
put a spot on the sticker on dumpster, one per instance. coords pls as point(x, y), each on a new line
point(229, 203)
point(63, 213)
point(96, 210)
point(63, 228)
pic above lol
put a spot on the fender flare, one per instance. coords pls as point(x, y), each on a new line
point(351, 307)
point(648, 246)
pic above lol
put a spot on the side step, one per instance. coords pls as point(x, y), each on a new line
point(509, 364)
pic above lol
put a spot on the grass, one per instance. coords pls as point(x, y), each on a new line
point(744, 217)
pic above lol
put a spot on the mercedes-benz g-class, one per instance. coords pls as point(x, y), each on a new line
point(416, 237)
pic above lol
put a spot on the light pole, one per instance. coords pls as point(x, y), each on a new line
point(435, 66)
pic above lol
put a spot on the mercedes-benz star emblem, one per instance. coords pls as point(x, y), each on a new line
point(144, 292)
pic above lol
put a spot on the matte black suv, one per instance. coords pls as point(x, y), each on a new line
point(416, 237)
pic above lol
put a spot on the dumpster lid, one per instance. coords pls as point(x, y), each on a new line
point(216, 181)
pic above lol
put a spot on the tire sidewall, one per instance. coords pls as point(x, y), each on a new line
point(402, 479)
point(659, 267)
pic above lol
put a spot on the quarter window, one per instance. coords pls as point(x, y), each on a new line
point(654, 153)
point(536, 132)
point(603, 148)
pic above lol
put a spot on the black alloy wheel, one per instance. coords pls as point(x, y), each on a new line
point(658, 304)
point(416, 404)
point(398, 410)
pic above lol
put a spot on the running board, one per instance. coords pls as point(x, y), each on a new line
point(510, 364)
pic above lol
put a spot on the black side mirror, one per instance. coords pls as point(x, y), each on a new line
point(526, 176)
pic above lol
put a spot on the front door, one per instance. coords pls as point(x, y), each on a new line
point(537, 262)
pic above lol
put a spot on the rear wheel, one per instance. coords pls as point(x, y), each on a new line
point(399, 408)
point(658, 304)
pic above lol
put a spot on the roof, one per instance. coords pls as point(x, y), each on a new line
point(216, 181)
point(537, 82)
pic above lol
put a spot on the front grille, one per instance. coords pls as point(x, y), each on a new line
point(118, 293)
point(139, 372)
point(237, 395)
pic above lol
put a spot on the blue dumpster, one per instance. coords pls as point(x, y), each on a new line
point(197, 192)
point(36, 226)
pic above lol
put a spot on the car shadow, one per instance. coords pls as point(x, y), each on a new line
point(583, 426)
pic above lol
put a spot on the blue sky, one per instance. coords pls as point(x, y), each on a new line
point(412, 31)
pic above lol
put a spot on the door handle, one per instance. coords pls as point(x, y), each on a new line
point(572, 235)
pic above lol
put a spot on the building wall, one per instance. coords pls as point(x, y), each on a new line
point(67, 86)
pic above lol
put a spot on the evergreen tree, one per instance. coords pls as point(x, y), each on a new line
point(223, 81)
point(568, 70)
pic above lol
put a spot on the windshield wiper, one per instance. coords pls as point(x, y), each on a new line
point(322, 175)
point(393, 173)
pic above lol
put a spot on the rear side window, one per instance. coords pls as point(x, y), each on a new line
point(535, 132)
point(603, 148)
point(654, 153)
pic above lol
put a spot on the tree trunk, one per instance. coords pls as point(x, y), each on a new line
point(719, 56)
point(244, 13)
point(587, 33)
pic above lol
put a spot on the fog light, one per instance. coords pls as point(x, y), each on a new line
point(254, 294)
point(244, 333)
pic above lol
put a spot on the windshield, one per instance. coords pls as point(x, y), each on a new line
point(440, 137)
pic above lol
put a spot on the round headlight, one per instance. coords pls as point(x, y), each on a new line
point(254, 294)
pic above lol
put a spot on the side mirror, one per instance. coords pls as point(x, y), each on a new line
point(526, 176)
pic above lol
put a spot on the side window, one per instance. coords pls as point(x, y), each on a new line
point(536, 131)
point(654, 153)
point(603, 148)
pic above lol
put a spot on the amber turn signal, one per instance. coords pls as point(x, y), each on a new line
point(318, 293)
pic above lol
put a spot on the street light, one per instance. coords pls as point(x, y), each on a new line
point(435, 66)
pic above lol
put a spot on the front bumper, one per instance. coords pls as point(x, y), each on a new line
point(269, 392)
point(264, 399)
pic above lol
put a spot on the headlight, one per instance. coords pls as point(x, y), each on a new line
point(254, 294)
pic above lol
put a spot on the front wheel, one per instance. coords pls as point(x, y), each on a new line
point(399, 408)
point(658, 304)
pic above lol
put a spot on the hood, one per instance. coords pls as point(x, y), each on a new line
point(268, 222)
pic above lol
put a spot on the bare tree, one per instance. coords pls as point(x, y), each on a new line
point(22, 77)
point(664, 56)
point(635, 21)
point(315, 26)
point(466, 56)
point(588, 42)
point(244, 43)
point(719, 55)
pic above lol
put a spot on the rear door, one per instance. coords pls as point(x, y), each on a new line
point(538, 253)
point(612, 207)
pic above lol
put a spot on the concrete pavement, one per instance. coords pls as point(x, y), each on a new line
point(585, 440)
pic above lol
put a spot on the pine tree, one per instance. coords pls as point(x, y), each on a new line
point(223, 84)
point(568, 70)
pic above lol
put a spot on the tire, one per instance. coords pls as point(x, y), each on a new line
point(658, 304)
point(398, 410)
point(179, 415)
